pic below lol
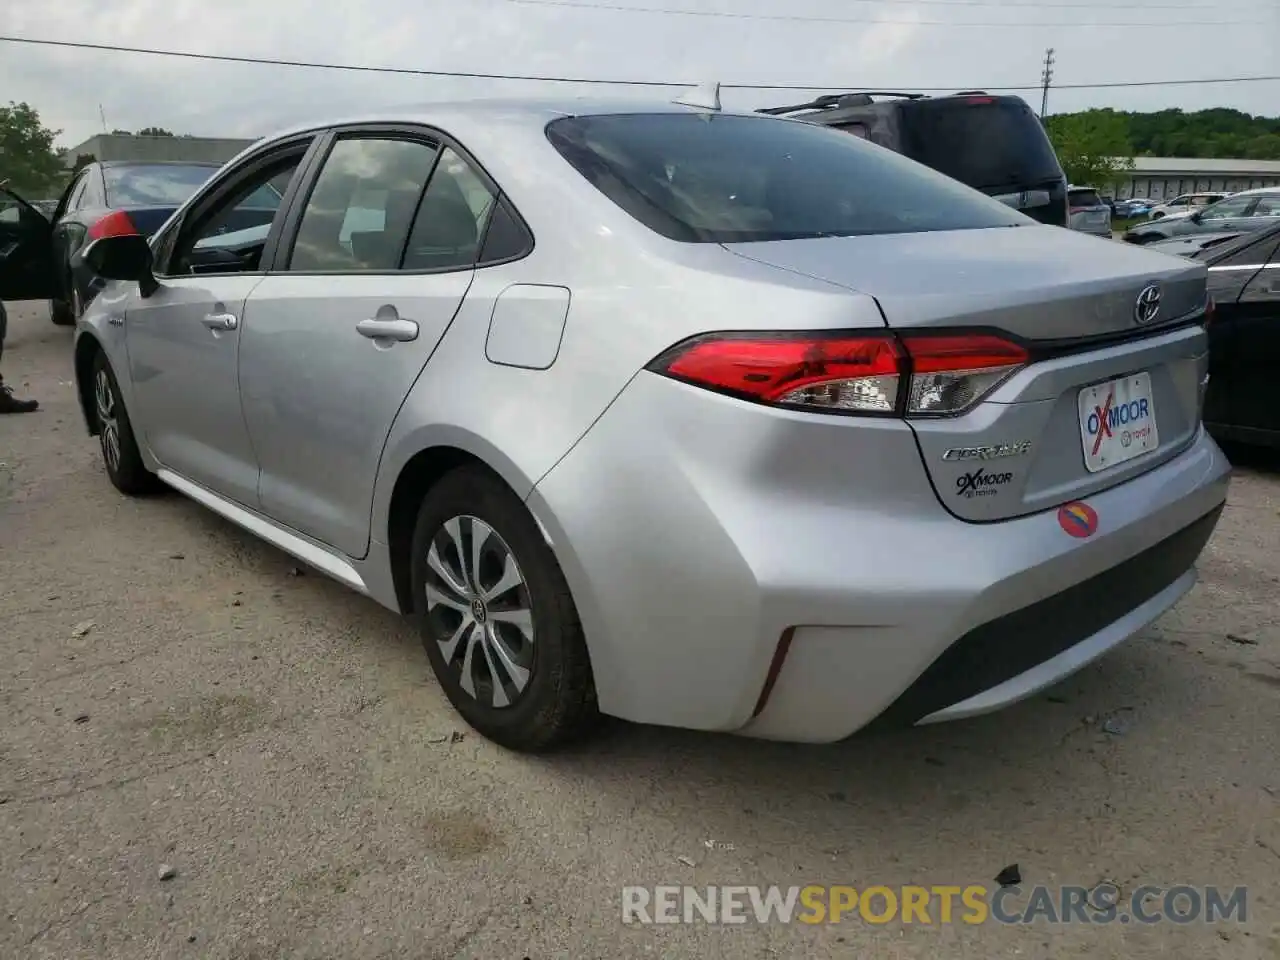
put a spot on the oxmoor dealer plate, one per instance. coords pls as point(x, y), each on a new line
point(1117, 421)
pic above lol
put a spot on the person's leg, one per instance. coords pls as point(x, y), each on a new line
point(8, 402)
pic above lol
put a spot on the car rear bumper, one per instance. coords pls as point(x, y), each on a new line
point(794, 577)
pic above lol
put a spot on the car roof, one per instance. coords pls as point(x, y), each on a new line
point(1256, 191)
point(458, 116)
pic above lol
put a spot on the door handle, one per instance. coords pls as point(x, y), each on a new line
point(221, 321)
point(398, 329)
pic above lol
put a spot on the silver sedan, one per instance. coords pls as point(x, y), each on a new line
point(686, 416)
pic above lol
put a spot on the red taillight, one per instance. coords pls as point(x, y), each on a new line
point(873, 373)
point(1208, 311)
point(115, 224)
point(980, 99)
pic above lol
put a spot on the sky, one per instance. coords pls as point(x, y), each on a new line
point(884, 44)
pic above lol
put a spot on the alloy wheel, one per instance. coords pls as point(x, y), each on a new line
point(108, 425)
point(479, 611)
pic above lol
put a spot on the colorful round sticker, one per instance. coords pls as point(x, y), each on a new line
point(1078, 519)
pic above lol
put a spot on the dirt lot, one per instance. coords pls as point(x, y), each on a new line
point(174, 695)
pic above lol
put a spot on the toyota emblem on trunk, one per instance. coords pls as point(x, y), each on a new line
point(1148, 305)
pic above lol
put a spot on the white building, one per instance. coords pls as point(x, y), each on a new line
point(1163, 178)
point(128, 146)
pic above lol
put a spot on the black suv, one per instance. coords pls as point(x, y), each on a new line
point(995, 144)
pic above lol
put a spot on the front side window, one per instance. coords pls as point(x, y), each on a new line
point(728, 178)
point(230, 236)
point(362, 206)
point(154, 184)
point(77, 192)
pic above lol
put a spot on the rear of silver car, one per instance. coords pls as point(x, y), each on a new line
point(1087, 212)
point(913, 459)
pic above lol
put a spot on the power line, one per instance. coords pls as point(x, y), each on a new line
point(413, 71)
point(797, 18)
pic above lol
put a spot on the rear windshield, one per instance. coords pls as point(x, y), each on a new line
point(1083, 198)
point(159, 184)
point(725, 178)
point(986, 142)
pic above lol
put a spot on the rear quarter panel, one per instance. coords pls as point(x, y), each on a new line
point(633, 294)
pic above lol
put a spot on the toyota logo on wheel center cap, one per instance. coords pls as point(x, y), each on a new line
point(1147, 306)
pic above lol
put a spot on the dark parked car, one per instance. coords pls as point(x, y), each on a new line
point(995, 144)
point(1190, 245)
point(1244, 338)
point(1248, 211)
point(104, 199)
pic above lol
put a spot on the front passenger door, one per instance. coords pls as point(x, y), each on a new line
point(183, 340)
point(381, 258)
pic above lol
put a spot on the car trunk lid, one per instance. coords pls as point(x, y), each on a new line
point(1109, 392)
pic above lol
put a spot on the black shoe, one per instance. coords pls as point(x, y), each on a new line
point(11, 404)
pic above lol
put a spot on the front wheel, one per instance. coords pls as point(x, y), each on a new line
point(496, 616)
point(120, 453)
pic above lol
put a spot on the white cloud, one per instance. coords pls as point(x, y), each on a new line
point(495, 36)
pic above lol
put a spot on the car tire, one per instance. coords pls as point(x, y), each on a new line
point(1158, 215)
point(527, 689)
point(120, 454)
point(61, 314)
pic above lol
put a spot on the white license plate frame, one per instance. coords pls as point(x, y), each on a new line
point(1117, 421)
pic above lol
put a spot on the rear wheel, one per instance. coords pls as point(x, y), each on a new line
point(120, 453)
point(496, 616)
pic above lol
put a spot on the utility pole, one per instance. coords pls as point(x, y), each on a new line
point(1046, 78)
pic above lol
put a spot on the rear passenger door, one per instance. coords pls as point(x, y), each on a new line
point(368, 278)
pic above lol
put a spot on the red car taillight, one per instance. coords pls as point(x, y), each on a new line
point(115, 224)
point(872, 373)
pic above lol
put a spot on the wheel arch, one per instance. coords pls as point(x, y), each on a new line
point(418, 466)
point(87, 347)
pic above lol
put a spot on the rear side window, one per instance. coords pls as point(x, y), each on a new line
point(454, 210)
point(987, 142)
point(728, 178)
point(159, 184)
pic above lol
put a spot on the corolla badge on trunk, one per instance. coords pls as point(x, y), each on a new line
point(1147, 306)
point(993, 451)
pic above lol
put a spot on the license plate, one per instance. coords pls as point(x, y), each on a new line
point(1117, 421)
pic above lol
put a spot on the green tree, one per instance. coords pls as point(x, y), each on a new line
point(27, 155)
point(121, 133)
point(155, 132)
point(1220, 132)
point(1093, 147)
point(82, 161)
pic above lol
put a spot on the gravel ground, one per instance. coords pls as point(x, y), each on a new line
point(175, 695)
